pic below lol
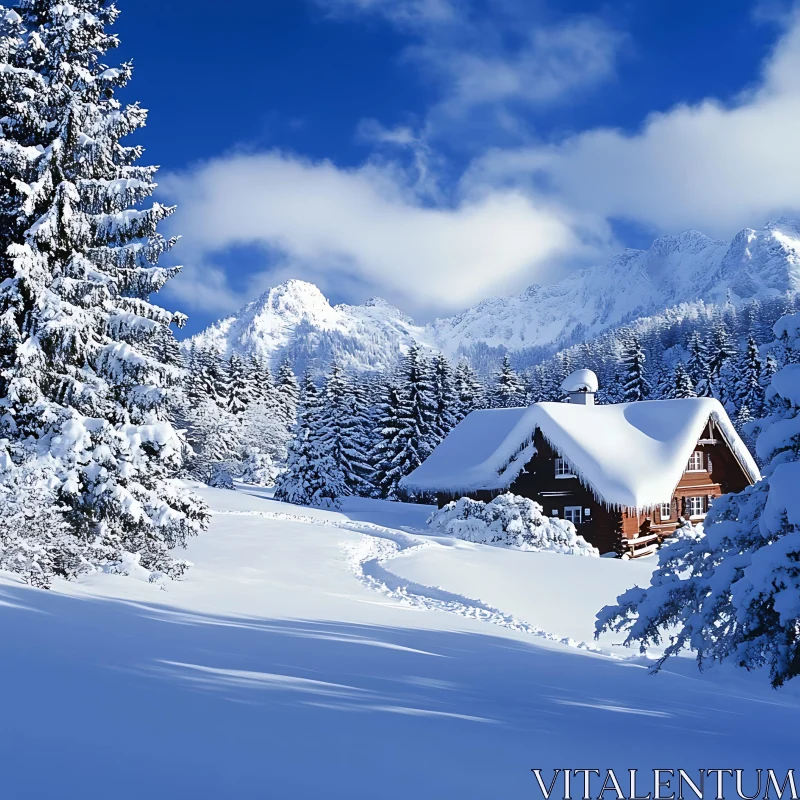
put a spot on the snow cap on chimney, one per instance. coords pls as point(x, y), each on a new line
point(581, 386)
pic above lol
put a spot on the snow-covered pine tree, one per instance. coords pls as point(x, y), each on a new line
point(469, 390)
point(722, 356)
point(342, 437)
point(215, 436)
point(388, 448)
point(681, 383)
point(732, 593)
point(749, 391)
point(307, 479)
point(699, 369)
point(239, 382)
point(416, 416)
point(507, 389)
point(768, 370)
point(81, 389)
point(636, 386)
point(211, 376)
point(288, 393)
point(445, 399)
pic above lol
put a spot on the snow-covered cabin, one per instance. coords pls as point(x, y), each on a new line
point(624, 473)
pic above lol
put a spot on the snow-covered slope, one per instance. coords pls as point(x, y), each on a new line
point(296, 320)
point(315, 654)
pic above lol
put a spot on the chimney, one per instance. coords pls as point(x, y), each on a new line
point(581, 386)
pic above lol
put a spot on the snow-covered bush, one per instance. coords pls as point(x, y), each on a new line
point(221, 476)
point(734, 592)
point(259, 469)
point(512, 521)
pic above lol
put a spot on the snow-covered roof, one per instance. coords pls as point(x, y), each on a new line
point(631, 455)
point(582, 380)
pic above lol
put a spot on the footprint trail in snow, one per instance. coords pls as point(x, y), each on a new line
point(368, 557)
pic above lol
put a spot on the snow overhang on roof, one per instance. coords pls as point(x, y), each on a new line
point(630, 455)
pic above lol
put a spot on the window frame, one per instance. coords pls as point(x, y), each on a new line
point(561, 463)
point(702, 502)
point(661, 515)
point(579, 510)
point(697, 454)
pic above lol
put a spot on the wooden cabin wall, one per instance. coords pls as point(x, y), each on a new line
point(601, 527)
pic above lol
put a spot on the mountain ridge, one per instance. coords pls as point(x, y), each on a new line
point(295, 320)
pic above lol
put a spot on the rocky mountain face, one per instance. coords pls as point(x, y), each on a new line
point(296, 321)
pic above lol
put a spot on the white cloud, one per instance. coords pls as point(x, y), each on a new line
point(713, 166)
point(403, 12)
point(487, 58)
point(552, 62)
point(365, 223)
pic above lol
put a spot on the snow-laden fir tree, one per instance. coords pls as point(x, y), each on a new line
point(733, 593)
point(749, 391)
point(309, 479)
point(262, 385)
point(215, 438)
point(211, 376)
point(636, 386)
point(446, 401)
point(388, 445)
point(469, 390)
point(681, 385)
point(288, 393)
point(240, 387)
point(722, 357)
point(342, 437)
point(416, 416)
point(699, 369)
point(82, 388)
point(507, 389)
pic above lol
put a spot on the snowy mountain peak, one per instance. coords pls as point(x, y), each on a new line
point(295, 319)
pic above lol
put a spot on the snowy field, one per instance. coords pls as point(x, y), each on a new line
point(313, 654)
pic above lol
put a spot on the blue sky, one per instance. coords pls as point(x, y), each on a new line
point(437, 151)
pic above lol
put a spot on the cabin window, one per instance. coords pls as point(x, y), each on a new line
point(563, 470)
point(573, 514)
point(695, 462)
point(695, 506)
point(666, 510)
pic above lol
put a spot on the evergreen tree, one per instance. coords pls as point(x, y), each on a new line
point(470, 391)
point(769, 368)
point(388, 447)
point(82, 385)
point(723, 351)
point(342, 437)
point(445, 399)
point(731, 593)
point(211, 376)
point(699, 369)
point(215, 438)
point(240, 392)
point(417, 413)
point(309, 476)
point(508, 389)
point(288, 393)
point(681, 383)
point(262, 384)
point(749, 391)
point(636, 386)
